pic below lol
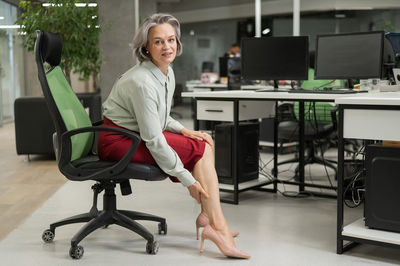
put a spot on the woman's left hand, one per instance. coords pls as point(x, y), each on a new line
point(198, 135)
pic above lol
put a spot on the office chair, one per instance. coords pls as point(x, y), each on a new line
point(76, 160)
point(207, 66)
point(319, 127)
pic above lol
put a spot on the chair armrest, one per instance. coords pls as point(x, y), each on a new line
point(73, 173)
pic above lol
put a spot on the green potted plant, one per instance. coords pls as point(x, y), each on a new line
point(79, 27)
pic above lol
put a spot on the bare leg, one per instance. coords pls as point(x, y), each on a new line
point(217, 231)
point(204, 172)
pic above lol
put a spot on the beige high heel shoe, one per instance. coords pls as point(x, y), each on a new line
point(211, 234)
point(202, 221)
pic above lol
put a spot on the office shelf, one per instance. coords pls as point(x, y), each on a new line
point(261, 181)
point(358, 229)
point(283, 145)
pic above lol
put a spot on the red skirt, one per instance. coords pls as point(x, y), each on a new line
point(113, 146)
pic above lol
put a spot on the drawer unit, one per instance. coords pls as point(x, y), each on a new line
point(371, 124)
point(223, 110)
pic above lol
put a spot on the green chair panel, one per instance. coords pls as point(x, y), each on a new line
point(322, 109)
point(72, 112)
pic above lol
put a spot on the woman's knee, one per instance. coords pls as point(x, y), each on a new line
point(208, 151)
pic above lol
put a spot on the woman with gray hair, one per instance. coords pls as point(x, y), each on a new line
point(140, 101)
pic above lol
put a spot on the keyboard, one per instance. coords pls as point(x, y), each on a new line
point(337, 91)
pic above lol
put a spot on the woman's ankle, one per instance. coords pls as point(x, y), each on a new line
point(220, 227)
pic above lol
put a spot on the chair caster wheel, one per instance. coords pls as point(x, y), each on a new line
point(162, 228)
point(152, 247)
point(76, 252)
point(48, 236)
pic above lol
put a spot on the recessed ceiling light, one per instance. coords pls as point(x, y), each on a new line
point(1, 17)
point(76, 4)
point(266, 31)
point(10, 26)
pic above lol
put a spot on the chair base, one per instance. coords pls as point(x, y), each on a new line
point(110, 215)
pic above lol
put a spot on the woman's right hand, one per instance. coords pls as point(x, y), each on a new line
point(199, 135)
point(196, 191)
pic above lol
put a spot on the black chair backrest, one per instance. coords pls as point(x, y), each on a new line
point(207, 66)
point(48, 47)
point(66, 110)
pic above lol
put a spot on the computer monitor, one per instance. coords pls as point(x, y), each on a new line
point(349, 55)
point(233, 73)
point(394, 39)
point(223, 66)
point(275, 58)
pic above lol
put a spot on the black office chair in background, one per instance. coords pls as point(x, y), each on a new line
point(207, 66)
point(77, 161)
point(315, 135)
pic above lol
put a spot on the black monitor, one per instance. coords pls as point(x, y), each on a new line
point(233, 73)
point(275, 58)
point(349, 55)
point(223, 66)
point(394, 39)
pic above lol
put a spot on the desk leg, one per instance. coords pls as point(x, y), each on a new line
point(235, 152)
point(339, 240)
point(275, 171)
point(196, 121)
point(301, 146)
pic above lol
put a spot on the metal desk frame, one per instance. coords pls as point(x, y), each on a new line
point(301, 184)
point(340, 238)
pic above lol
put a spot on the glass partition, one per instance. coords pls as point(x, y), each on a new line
point(11, 62)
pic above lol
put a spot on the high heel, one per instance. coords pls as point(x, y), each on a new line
point(229, 251)
point(202, 221)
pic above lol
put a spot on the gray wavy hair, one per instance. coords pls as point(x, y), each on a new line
point(141, 37)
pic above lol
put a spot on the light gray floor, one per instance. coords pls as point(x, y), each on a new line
point(274, 229)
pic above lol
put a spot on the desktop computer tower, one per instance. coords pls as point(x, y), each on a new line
point(382, 195)
point(247, 152)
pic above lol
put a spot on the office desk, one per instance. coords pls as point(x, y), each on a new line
point(208, 104)
point(224, 86)
point(211, 86)
point(374, 116)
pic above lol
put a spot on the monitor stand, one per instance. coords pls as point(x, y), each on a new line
point(276, 86)
point(350, 84)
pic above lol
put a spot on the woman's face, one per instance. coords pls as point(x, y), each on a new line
point(162, 45)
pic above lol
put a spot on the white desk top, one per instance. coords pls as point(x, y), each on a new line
point(246, 94)
point(380, 98)
point(258, 87)
point(203, 85)
point(224, 85)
